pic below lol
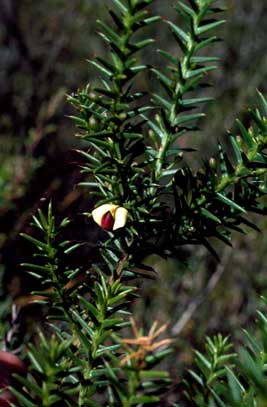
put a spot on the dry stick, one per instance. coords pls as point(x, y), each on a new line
point(201, 297)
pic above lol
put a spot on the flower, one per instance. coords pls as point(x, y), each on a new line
point(110, 216)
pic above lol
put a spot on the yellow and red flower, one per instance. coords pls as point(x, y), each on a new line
point(110, 216)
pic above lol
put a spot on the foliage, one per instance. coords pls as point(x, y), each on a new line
point(134, 175)
point(227, 379)
point(134, 162)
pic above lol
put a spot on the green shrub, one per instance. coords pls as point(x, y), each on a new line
point(91, 351)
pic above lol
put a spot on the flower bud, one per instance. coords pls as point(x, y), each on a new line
point(212, 163)
point(110, 216)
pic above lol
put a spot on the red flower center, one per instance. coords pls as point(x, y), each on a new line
point(107, 221)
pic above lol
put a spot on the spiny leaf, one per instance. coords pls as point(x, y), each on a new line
point(245, 135)
point(236, 148)
point(210, 215)
point(206, 27)
point(40, 245)
point(184, 7)
point(111, 35)
point(229, 202)
point(86, 328)
point(26, 402)
point(187, 118)
point(121, 6)
point(101, 68)
point(263, 100)
point(180, 33)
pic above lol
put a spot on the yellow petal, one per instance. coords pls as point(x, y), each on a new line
point(120, 217)
point(98, 213)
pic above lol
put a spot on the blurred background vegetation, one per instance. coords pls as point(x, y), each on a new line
point(43, 51)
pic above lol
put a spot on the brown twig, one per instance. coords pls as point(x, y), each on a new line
point(202, 296)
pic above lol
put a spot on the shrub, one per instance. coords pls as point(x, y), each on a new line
point(91, 351)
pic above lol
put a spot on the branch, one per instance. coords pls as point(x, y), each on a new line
point(202, 296)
